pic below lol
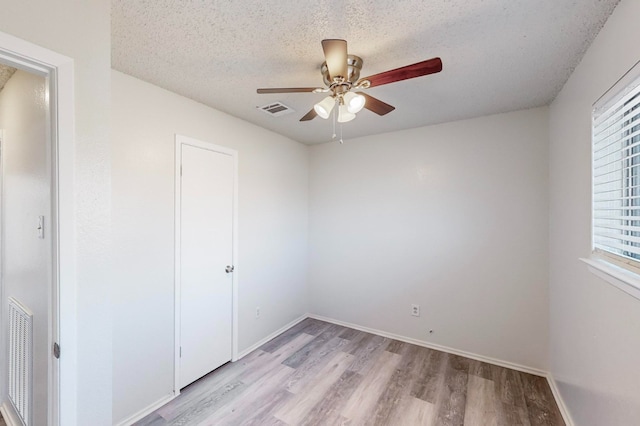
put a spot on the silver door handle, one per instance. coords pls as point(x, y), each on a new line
point(229, 269)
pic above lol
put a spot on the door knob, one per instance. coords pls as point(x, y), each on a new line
point(229, 269)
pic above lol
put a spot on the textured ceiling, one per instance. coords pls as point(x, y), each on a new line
point(5, 74)
point(498, 55)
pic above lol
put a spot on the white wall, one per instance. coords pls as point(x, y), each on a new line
point(273, 216)
point(81, 30)
point(452, 217)
point(26, 265)
point(594, 327)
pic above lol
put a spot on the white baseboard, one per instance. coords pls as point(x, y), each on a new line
point(561, 405)
point(437, 347)
point(9, 415)
point(145, 411)
point(269, 337)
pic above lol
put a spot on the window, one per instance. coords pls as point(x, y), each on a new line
point(616, 171)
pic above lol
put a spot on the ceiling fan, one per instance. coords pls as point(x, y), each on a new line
point(341, 74)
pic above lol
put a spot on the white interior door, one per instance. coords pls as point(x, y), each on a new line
point(206, 249)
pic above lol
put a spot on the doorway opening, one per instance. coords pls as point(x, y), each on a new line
point(37, 270)
point(26, 260)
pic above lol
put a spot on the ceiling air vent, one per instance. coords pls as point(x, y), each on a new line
point(276, 109)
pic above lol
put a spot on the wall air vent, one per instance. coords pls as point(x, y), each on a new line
point(20, 360)
point(276, 109)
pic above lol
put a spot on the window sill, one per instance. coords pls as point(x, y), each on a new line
point(620, 278)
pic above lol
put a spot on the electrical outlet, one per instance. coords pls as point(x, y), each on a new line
point(415, 310)
point(258, 312)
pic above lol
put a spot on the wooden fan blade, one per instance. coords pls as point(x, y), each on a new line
point(430, 66)
point(335, 53)
point(310, 115)
point(288, 90)
point(376, 105)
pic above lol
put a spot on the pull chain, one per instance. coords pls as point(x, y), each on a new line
point(335, 117)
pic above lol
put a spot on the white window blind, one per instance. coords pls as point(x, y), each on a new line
point(616, 171)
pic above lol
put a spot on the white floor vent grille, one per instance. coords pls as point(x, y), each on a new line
point(20, 359)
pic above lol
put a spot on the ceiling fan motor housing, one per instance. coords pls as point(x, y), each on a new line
point(354, 65)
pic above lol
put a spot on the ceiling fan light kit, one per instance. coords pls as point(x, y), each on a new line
point(341, 75)
point(354, 101)
point(344, 115)
point(324, 107)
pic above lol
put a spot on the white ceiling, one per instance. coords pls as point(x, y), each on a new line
point(498, 55)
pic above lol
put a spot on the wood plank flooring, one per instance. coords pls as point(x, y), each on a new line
point(318, 373)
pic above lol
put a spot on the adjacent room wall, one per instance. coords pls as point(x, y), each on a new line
point(594, 326)
point(273, 221)
point(451, 217)
point(81, 30)
point(25, 185)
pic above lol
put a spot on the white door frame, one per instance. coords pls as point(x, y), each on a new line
point(58, 72)
point(185, 140)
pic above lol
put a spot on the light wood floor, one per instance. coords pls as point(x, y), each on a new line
point(318, 373)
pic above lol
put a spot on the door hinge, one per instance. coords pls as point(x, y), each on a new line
point(180, 351)
point(180, 169)
point(56, 350)
point(41, 227)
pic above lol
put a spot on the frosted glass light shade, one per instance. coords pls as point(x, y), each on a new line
point(354, 102)
point(324, 107)
point(344, 115)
